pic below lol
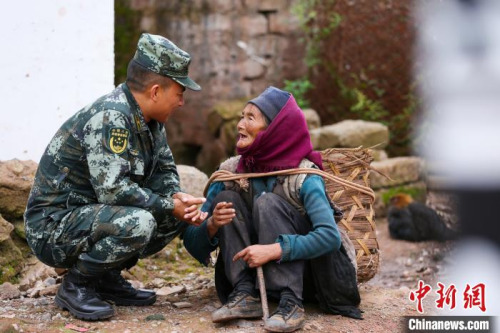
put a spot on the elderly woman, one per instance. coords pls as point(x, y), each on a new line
point(278, 222)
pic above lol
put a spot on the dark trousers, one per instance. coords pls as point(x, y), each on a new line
point(270, 216)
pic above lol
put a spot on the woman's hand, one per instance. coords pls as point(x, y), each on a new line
point(258, 255)
point(223, 214)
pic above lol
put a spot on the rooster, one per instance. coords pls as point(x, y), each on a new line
point(414, 221)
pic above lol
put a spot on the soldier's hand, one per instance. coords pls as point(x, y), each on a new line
point(186, 208)
point(258, 255)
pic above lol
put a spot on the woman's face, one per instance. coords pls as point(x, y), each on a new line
point(252, 122)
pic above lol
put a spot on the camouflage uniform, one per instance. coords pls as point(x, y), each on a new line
point(103, 190)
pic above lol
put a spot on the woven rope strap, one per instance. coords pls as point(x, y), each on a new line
point(224, 175)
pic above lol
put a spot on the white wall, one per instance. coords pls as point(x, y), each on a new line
point(55, 57)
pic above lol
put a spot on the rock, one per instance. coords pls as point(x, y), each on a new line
point(167, 291)
point(58, 316)
point(19, 229)
point(11, 260)
point(192, 180)
point(315, 138)
point(16, 179)
point(157, 283)
point(5, 229)
point(49, 291)
point(209, 308)
point(35, 272)
point(241, 323)
point(352, 134)
point(9, 291)
point(50, 281)
point(44, 301)
point(323, 139)
point(156, 316)
point(35, 291)
point(378, 155)
point(255, 25)
point(182, 305)
point(136, 284)
point(312, 119)
point(46, 317)
point(402, 170)
point(282, 24)
point(252, 70)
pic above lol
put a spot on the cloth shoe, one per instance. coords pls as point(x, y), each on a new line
point(77, 295)
point(288, 317)
point(113, 287)
point(240, 305)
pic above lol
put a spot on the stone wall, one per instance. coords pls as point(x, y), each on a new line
point(239, 48)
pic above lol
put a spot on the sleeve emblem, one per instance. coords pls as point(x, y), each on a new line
point(118, 139)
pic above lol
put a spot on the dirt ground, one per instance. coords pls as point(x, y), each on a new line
point(384, 299)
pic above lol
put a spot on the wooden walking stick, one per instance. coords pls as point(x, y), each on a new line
point(263, 295)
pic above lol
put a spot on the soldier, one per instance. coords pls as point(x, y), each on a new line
point(107, 192)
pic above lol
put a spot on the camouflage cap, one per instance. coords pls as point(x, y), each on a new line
point(161, 56)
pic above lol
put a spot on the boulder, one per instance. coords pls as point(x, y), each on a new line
point(33, 272)
point(378, 155)
point(323, 139)
point(255, 25)
point(16, 179)
point(312, 118)
point(401, 170)
point(352, 134)
point(192, 180)
point(9, 291)
point(5, 229)
point(11, 260)
point(167, 291)
point(252, 70)
point(11, 257)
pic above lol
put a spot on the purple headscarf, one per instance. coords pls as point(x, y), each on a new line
point(284, 143)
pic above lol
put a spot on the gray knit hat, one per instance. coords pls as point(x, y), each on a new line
point(271, 101)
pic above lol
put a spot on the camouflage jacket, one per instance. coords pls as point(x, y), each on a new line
point(104, 154)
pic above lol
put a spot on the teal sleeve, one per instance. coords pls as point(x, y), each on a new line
point(324, 236)
point(213, 190)
point(196, 240)
point(198, 244)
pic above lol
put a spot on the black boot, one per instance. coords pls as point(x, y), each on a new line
point(115, 288)
point(77, 295)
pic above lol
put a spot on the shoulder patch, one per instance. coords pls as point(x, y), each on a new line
point(118, 139)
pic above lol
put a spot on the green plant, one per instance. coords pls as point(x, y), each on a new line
point(127, 32)
point(299, 89)
point(359, 60)
point(416, 193)
point(317, 25)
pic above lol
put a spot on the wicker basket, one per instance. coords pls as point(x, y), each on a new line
point(359, 220)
